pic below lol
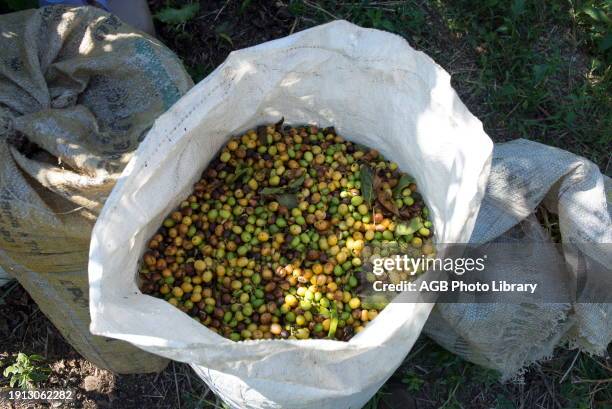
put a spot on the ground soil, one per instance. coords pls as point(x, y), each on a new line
point(203, 43)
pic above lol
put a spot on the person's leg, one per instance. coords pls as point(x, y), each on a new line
point(134, 12)
point(103, 4)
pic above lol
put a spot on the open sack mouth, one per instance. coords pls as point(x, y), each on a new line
point(269, 244)
point(386, 100)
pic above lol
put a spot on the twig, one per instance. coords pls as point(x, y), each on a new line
point(550, 392)
point(424, 400)
point(544, 111)
point(376, 3)
point(598, 362)
point(593, 393)
point(221, 11)
point(178, 397)
point(47, 344)
point(593, 381)
point(203, 397)
point(512, 110)
point(315, 6)
point(294, 25)
point(8, 290)
point(414, 353)
point(450, 396)
point(570, 367)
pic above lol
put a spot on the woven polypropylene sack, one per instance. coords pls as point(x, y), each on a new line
point(78, 92)
point(5, 278)
point(375, 90)
point(509, 337)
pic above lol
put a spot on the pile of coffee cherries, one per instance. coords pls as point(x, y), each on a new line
point(269, 244)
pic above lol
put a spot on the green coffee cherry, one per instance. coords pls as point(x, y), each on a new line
point(274, 239)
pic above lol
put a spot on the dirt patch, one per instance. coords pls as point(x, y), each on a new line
point(429, 377)
point(23, 328)
point(220, 27)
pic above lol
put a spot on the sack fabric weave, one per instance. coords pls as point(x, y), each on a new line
point(79, 90)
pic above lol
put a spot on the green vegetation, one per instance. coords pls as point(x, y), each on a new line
point(178, 15)
point(7, 6)
point(539, 70)
point(25, 373)
point(432, 377)
point(530, 69)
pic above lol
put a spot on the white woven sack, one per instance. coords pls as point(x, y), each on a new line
point(5, 278)
point(376, 90)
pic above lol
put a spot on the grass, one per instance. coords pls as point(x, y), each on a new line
point(536, 70)
point(25, 372)
point(529, 69)
point(539, 70)
point(435, 378)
